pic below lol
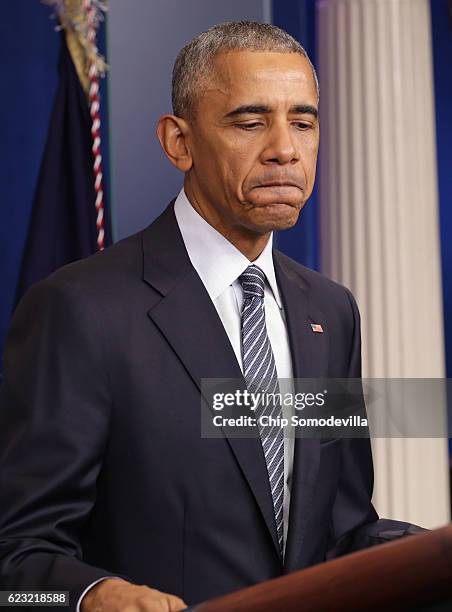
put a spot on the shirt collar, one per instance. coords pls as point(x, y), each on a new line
point(224, 262)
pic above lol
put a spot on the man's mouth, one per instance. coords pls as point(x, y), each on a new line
point(278, 184)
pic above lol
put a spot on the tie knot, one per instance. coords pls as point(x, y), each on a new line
point(252, 281)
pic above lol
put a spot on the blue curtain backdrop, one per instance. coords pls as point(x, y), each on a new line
point(29, 54)
point(441, 12)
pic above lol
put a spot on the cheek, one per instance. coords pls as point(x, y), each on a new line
point(236, 162)
point(309, 157)
point(210, 163)
point(227, 156)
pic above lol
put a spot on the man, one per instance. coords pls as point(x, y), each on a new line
point(107, 487)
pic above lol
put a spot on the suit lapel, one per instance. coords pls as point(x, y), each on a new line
point(309, 349)
point(309, 352)
point(190, 323)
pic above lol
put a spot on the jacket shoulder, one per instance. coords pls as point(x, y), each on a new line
point(103, 272)
point(317, 282)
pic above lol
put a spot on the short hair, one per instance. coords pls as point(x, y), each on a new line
point(195, 62)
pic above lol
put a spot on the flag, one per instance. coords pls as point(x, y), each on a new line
point(316, 327)
point(63, 221)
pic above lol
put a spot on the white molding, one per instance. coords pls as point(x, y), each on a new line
point(379, 218)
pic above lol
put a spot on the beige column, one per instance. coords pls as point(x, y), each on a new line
point(379, 218)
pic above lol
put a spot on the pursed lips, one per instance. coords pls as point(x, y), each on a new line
point(279, 184)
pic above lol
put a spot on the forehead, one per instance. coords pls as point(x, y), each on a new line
point(240, 74)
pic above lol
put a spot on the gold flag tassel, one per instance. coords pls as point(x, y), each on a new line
point(72, 16)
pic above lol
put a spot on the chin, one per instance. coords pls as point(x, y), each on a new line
point(274, 217)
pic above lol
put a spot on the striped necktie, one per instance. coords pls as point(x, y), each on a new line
point(260, 374)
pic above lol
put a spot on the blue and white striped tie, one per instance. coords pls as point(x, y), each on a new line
point(260, 374)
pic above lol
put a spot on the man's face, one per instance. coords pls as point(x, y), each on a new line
point(254, 140)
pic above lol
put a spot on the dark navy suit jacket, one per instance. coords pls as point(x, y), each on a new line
point(102, 466)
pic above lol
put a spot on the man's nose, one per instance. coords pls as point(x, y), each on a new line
point(280, 147)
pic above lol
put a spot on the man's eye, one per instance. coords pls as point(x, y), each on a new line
point(248, 126)
point(301, 125)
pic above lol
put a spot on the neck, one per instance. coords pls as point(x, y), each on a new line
point(247, 241)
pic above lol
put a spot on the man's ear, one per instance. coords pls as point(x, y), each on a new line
point(172, 133)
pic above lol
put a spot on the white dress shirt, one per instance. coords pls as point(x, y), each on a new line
point(219, 272)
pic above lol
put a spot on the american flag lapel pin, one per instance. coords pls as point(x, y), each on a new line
point(317, 328)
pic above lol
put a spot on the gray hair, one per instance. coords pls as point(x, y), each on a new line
point(195, 61)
